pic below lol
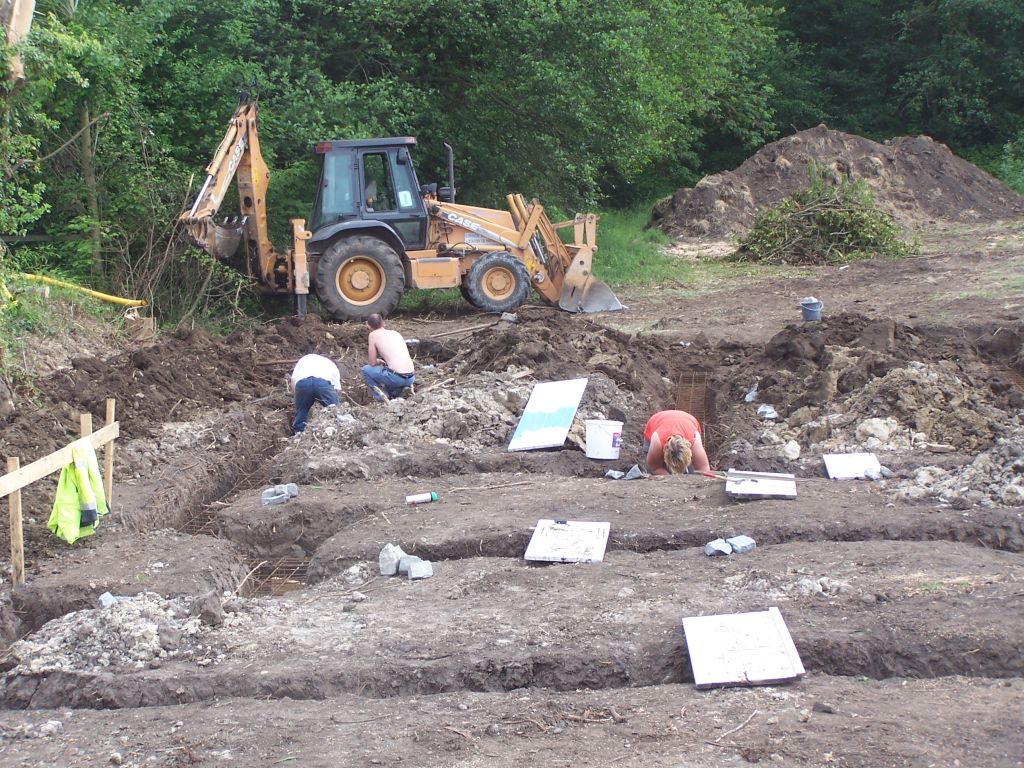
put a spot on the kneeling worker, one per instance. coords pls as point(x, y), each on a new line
point(390, 368)
point(672, 442)
point(315, 379)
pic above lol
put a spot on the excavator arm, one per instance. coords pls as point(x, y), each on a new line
point(238, 156)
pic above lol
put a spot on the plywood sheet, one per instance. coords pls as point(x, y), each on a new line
point(851, 466)
point(568, 541)
point(760, 485)
point(548, 415)
point(741, 649)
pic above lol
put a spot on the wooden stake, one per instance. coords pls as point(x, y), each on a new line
point(108, 458)
point(85, 421)
point(17, 537)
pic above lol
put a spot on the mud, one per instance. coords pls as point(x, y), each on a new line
point(900, 593)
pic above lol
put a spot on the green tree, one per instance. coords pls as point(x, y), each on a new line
point(952, 69)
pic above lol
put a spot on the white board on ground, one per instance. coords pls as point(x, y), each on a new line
point(741, 649)
point(568, 541)
point(760, 485)
point(850, 466)
point(548, 415)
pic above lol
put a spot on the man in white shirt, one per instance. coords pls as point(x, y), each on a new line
point(390, 368)
point(315, 379)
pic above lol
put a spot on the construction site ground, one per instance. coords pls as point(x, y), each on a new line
point(264, 635)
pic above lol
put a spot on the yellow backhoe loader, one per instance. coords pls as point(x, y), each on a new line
point(374, 231)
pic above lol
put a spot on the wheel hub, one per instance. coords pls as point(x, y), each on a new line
point(498, 283)
point(360, 280)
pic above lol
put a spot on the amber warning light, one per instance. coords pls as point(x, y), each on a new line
point(322, 147)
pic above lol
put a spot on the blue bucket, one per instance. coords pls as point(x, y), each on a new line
point(811, 308)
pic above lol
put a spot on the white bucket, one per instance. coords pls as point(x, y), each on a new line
point(603, 438)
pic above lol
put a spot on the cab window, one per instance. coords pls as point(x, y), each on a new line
point(379, 191)
point(337, 200)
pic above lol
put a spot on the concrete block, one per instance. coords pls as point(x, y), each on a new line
point(421, 570)
point(717, 548)
point(406, 562)
point(389, 558)
point(741, 544)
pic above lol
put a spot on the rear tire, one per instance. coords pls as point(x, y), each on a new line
point(357, 276)
point(497, 282)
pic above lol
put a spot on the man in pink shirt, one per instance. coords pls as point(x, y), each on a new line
point(390, 368)
point(672, 442)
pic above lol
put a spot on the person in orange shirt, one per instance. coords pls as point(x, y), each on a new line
point(672, 442)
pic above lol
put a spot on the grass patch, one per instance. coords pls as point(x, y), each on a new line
point(33, 316)
point(425, 301)
point(629, 254)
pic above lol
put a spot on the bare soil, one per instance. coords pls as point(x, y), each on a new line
point(264, 635)
point(916, 179)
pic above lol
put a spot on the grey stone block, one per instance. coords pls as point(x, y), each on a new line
point(209, 608)
point(741, 544)
point(635, 473)
point(406, 562)
point(717, 548)
point(421, 570)
point(389, 558)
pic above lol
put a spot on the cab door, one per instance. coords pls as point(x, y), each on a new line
point(390, 194)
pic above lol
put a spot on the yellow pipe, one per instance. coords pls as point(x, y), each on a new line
point(104, 296)
point(6, 296)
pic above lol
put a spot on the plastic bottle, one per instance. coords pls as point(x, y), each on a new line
point(421, 498)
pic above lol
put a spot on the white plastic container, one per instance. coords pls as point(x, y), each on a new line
point(603, 438)
point(421, 498)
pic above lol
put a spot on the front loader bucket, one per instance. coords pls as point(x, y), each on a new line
point(582, 292)
point(219, 239)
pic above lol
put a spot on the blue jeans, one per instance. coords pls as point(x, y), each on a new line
point(308, 391)
point(388, 381)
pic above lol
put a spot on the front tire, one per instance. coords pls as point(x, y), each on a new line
point(357, 276)
point(497, 282)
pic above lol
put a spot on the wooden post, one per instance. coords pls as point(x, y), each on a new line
point(108, 458)
point(17, 538)
point(85, 420)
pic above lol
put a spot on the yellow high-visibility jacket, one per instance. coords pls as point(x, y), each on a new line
point(80, 500)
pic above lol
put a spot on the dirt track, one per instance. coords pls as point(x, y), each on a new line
point(903, 596)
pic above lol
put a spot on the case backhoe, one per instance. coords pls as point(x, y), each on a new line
point(374, 231)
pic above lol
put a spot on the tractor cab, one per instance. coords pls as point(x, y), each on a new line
point(369, 180)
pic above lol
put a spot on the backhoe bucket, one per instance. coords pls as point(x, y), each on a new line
point(582, 292)
point(219, 239)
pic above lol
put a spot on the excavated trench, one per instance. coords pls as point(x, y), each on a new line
point(283, 556)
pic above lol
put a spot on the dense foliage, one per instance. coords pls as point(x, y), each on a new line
point(832, 221)
point(579, 102)
point(953, 69)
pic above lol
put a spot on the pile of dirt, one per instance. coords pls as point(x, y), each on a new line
point(562, 347)
point(452, 424)
point(914, 178)
point(995, 477)
point(183, 376)
point(850, 384)
point(133, 632)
